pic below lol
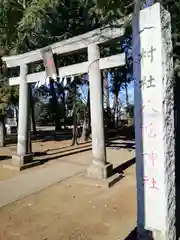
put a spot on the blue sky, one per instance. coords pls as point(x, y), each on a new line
point(130, 93)
point(122, 94)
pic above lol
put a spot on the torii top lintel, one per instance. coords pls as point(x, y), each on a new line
point(82, 41)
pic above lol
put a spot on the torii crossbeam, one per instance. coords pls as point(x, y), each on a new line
point(90, 41)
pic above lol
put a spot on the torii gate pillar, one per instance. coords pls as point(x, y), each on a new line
point(23, 158)
point(99, 166)
point(100, 169)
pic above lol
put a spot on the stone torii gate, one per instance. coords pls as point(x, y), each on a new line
point(154, 113)
point(99, 169)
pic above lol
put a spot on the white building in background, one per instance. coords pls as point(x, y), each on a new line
point(11, 119)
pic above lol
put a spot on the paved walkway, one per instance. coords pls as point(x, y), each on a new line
point(23, 185)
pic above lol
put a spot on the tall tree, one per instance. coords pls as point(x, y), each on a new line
point(87, 120)
point(74, 105)
point(106, 87)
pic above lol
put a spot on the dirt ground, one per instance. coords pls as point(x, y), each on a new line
point(71, 211)
point(54, 150)
point(37, 146)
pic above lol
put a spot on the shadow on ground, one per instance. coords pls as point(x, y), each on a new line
point(65, 153)
point(2, 158)
point(68, 146)
point(74, 150)
point(118, 146)
point(109, 144)
point(120, 169)
point(40, 154)
point(126, 133)
point(132, 235)
point(43, 136)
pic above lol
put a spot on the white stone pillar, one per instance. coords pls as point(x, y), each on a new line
point(154, 123)
point(23, 156)
point(99, 168)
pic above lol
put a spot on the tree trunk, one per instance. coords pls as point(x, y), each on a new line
point(89, 111)
point(55, 106)
point(17, 113)
point(115, 106)
point(74, 130)
point(85, 131)
point(33, 120)
point(29, 141)
point(64, 109)
point(87, 121)
point(117, 111)
point(106, 85)
point(127, 99)
point(32, 113)
point(2, 133)
point(83, 135)
point(30, 104)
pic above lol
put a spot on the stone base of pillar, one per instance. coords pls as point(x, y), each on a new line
point(20, 163)
point(103, 183)
point(21, 160)
point(100, 171)
point(99, 175)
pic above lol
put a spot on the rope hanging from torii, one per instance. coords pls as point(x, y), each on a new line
point(51, 71)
